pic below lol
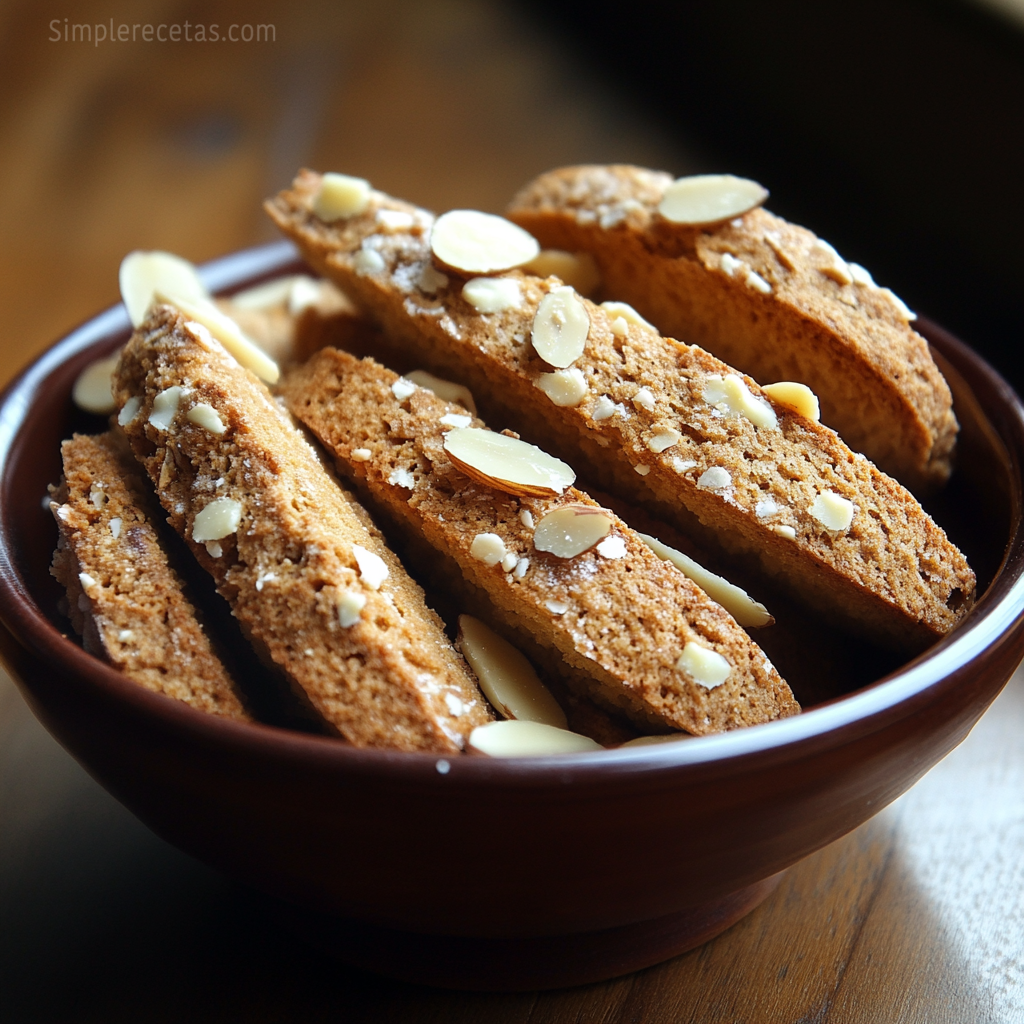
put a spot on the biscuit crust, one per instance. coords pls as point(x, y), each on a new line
point(847, 340)
point(891, 574)
point(366, 652)
point(619, 623)
point(124, 597)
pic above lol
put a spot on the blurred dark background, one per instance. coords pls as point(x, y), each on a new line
point(893, 129)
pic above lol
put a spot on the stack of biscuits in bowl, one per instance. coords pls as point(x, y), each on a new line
point(473, 472)
point(447, 547)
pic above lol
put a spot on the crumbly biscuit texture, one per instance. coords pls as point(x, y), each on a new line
point(661, 423)
point(619, 616)
point(766, 296)
point(124, 598)
point(310, 580)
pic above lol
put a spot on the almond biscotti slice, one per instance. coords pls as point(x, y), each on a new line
point(765, 296)
point(635, 633)
point(663, 424)
point(124, 598)
point(311, 582)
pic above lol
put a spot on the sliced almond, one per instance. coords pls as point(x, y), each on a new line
point(506, 677)
point(445, 389)
point(905, 313)
point(373, 570)
point(835, 267)
point(560, 327)
point(626, 312)
point(578, 270)
point(731, 396)
point(143, 274)
point(527, 739)
point(648, 741)
point(165, 407)
point(797, 397)
point(570, 530)
point(506, 463)
point(92, 388)
point(340, 196)
point(736, 601)
point(488, 548)
point(833, 511)
point(493, 294)
point(227, 332)
point(480, 243)
point(566, 388)
point(217, 520)
point(710, 199)
point(704, 666)
point(207, 417)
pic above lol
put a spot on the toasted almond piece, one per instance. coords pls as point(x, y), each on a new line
point(165, 407)
point(736, 601)
point(648, 741)
point(506, 677)
point(143, 274)
point(340, 196)
point(373, 570)
point(576, 269)
point(834, 267)
point(627, 313)
point(710, 199)
point(506, 463)
point(217, 520)
point(731, 395)
point(797, 397)
point(445, 389)
point(129, 411)
point(833, 511)
point(560, 327)
point(480, 243)
point(492, 294)
point(349, 608)
point(92, 388)
point(513, 738)
point(906, 314)
point(227, 332)
point(205, 416)
point(662, 438)
point(570, 530)
point(704, 666)
point(563, 387)
point(488, 548)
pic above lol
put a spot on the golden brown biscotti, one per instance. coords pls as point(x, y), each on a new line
point(645, 426)
point(765, 296)
point(313, 586)
point(619, 616)
point(124, 597)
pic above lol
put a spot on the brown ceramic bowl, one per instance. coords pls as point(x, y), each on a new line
point(505, 874)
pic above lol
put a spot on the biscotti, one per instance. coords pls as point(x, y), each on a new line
point(311, 582)
point(765, 296)
point(661, 423)
point(124, 598)
point(635, 633)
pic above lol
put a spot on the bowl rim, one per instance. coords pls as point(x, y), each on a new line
point(833, 723)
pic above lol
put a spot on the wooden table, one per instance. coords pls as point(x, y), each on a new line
point(917, 916)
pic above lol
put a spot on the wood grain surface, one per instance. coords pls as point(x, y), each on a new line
point(916, 916)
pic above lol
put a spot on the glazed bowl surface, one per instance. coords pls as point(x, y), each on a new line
point(518, 873)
